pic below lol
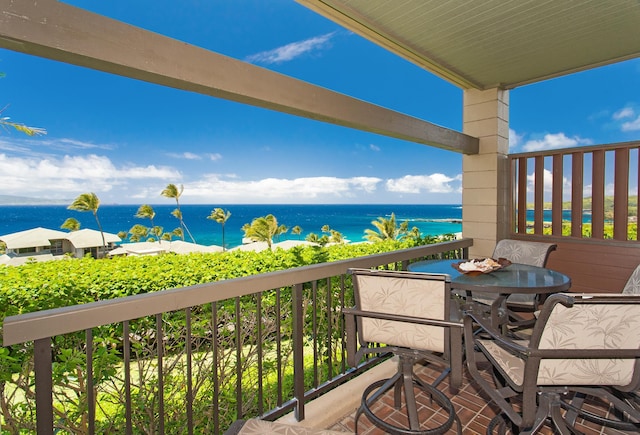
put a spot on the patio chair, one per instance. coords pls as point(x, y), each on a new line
point(581, 345)
point(523, 252)
point(412, 316)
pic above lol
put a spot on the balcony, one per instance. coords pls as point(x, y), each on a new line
point(222, 350)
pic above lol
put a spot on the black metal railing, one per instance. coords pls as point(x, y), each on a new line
point(191, 359)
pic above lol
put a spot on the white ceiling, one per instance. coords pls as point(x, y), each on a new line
point(495, 43)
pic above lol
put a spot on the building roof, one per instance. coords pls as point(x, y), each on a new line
point(32, 238)
point(495, 43)
point(88, 238)
point(154, 248)
point(35, 237)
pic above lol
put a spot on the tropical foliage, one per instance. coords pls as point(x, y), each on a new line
point(386, 229)
point(71, 224)
point(264, 229)
point(5, 122)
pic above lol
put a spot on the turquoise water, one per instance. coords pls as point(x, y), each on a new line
point(350, 220)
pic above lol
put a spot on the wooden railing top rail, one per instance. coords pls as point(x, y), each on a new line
point(583, 149)
point(49, 323)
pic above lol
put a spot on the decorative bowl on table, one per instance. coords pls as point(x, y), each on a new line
point(479, 266)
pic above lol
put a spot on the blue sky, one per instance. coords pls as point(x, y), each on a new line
point(126, 140)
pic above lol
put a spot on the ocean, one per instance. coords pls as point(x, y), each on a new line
point(350, 220)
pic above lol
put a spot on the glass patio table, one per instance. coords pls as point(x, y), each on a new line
point(515, 278)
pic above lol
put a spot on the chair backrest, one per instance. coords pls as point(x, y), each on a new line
point(632, 287)
point(596, 325)
point(416, 295)
point(523, 252)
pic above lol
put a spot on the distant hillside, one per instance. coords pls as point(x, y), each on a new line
point(25, 200)
point(608, 205)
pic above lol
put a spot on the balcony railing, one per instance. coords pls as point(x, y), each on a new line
point(190, 359)
point(550, 187)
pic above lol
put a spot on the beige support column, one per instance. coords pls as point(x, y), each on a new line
point(485, 183)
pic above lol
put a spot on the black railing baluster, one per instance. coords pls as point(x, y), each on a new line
point(188, 349)
point(259, 342)
point(239, 363)
point(215, 375)
point(160, 357)
point(314, 325)
point(91, 399)
point(279, 346)
point(343, 345)
point(298, 351)
point(126, 342)
point(329, 328)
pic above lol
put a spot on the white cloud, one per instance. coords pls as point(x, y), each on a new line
point(548, 182)
point(514, 139)
point(434, 183)
point(374, 147)
point(555, 141)
point(214, 156)
point(627, 112)
point(291, 51)
point(631, 125)
point(185, 155)
point(221, 189)
point(63, 177)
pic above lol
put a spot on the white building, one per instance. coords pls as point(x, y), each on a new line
point(43, 244)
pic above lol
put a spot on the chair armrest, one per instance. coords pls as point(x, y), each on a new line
point(470, 317)
point(399, 318)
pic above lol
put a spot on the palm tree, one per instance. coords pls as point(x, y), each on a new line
point(178, 233)
point(281, 230)
point(145, 211)
point(336, 237)
point(89, 202)
point(221, 216)
point(5, 122)
point(296, 230)
point(263, 229)
point(313, 238)
point(387, 229)
point(71, 224)
point(138, 232)
point(172, 191)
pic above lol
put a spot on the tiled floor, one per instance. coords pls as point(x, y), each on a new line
point(471, 408)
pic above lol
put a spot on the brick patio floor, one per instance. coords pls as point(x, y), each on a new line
point(474, 411)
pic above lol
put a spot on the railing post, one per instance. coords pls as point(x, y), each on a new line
point(298, 352)
point(44, 385)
